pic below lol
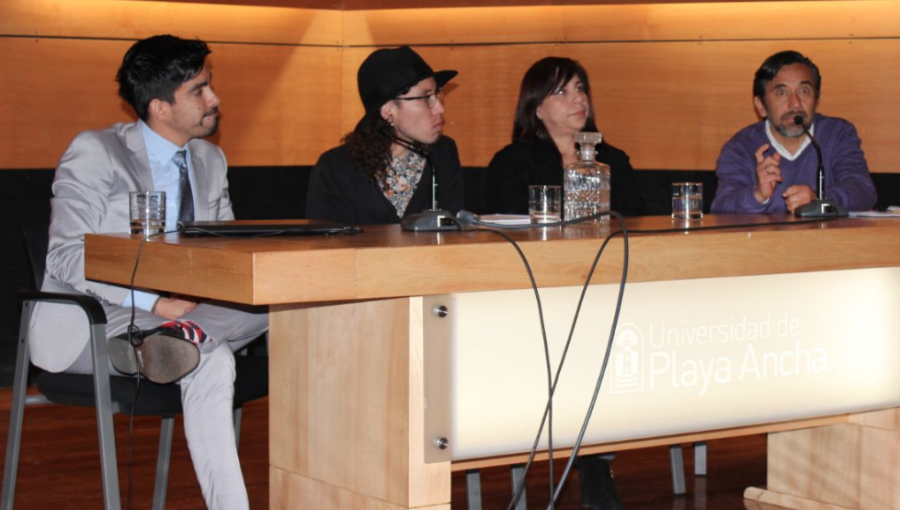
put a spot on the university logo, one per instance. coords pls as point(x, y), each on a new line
point(626, 360)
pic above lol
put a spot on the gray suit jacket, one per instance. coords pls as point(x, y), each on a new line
point(90, 196)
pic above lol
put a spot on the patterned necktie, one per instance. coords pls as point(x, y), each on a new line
point(186, 204)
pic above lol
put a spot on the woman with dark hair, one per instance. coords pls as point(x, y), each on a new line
point(383, 169)
point(554, 105)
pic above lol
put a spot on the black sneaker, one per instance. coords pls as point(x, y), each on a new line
point(162, 354)
point(598, 488)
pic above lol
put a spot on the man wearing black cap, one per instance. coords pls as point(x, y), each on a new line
point(383, 170)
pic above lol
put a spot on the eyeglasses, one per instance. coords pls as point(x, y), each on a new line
point(430, 99)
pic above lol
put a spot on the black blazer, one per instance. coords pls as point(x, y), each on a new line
point(526, 163)
point(340, 191)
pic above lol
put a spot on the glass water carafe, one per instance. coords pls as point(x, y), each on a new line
point(586, 183)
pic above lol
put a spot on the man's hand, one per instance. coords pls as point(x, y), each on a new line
point(173, 308)
point(768, 174)
point(798, 195)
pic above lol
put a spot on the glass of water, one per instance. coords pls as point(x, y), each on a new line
point(148, 212)
point(544, 203)
point(687, 200)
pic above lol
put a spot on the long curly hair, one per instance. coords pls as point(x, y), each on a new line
point(370, 146)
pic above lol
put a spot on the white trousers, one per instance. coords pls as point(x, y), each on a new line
point(207, 393)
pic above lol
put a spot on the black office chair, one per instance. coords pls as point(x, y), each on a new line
point(109, 394)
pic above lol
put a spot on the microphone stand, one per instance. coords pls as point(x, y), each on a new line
point(819, 208)
point(429, 220)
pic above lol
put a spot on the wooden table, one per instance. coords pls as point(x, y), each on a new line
point(346, 411)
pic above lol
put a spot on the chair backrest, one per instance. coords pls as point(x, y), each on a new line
point(37, 241)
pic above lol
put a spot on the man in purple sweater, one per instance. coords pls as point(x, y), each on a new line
point(769, 167)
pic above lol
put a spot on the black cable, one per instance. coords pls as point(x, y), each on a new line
point(472, 219)
point(609, 342)
point(731, 227)
point(547, 410)
point(547, 418)
point(519, 489)
point(134, 334)
point(196, 231)
point(624, 233)
point(551, 380)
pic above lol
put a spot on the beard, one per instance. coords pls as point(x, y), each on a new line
point(209, 128)
point(786, 126)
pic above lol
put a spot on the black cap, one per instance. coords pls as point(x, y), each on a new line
point(387, 72)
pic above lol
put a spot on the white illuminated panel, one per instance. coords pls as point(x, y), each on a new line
point(688, 356)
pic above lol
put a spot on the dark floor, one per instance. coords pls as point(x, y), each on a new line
point(60, 468)
point(644, 480)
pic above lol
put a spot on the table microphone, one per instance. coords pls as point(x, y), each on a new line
point(429, 220)
point(819, 208)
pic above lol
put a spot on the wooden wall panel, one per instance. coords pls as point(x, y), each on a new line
point(613, 23)
point(672, 81)
point(136, 20)
point(351, 105)
point(669, 105)
point(403, 4)
point(484, 25)
point(681, 102)
point(733, 21)
point(647, 118)
point(280, 102)
point(300, 4)
point(280, 105)
point(480, 101)
point(51, 90)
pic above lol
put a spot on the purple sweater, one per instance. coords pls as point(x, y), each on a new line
point(847, 180)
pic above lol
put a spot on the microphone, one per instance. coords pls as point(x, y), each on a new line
point(429, 220)
point(418, 148)
point(819, 208)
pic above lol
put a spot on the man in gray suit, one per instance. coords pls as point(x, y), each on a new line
point(166, 81)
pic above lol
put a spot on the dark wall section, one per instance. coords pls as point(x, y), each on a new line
point(24, 200)
point(264, 193)
point(655, 186)
point(268, 193)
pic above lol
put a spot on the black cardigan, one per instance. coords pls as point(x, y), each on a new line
point(340, 191)
point(526, 163)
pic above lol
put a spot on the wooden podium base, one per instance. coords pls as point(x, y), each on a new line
point(289, 490)
point(761, 495)
point(346, 397)
point(854, 465)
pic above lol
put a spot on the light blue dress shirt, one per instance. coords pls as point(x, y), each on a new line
point(165, 178)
